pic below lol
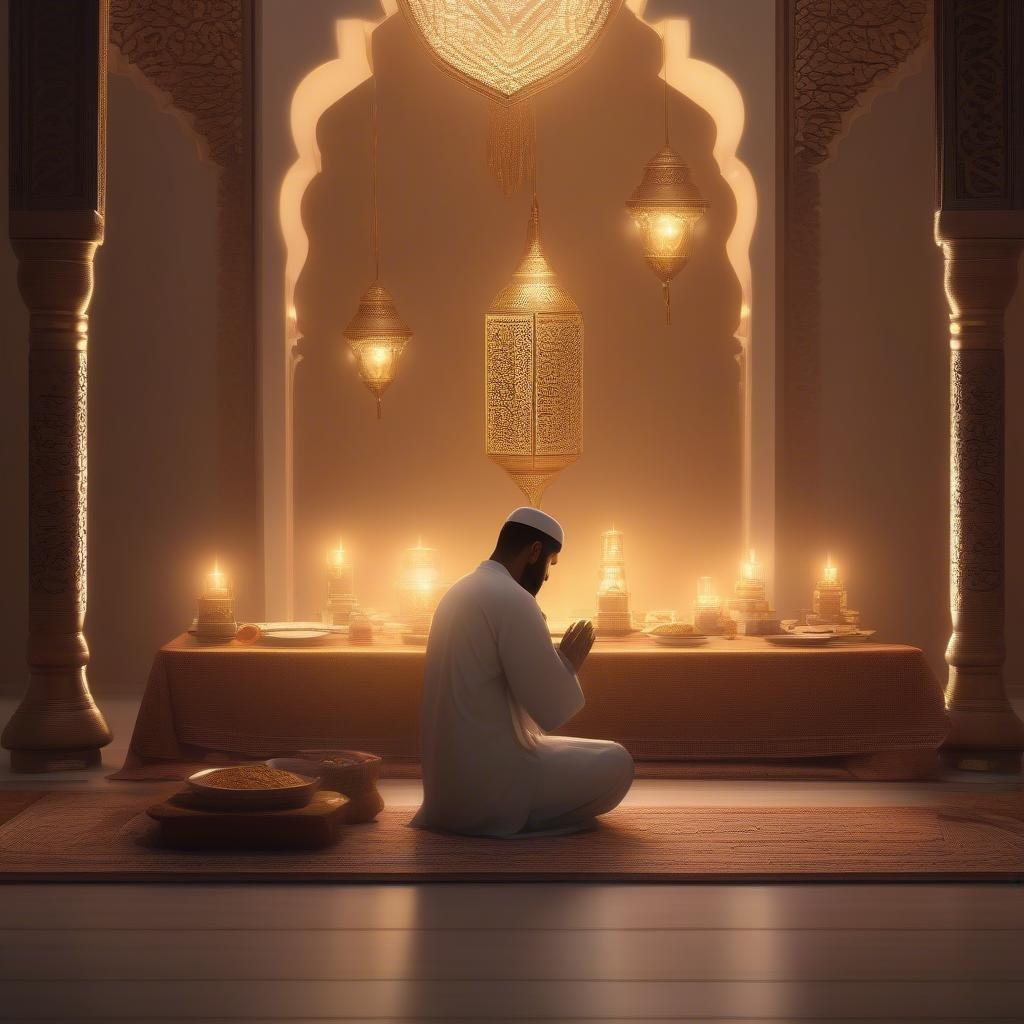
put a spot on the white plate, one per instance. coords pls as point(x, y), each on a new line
point(800, 639)
point(860, 637)
point(295, 634)
point(679, 641)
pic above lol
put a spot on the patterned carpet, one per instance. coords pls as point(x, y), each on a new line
point(107, 836)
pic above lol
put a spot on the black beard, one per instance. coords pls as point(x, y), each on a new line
point(533, 577)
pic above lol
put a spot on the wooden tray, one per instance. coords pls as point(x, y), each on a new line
point(185, 823)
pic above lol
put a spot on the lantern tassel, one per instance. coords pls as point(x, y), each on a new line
point(510, 143)
point(378, 407)
point(667, 295)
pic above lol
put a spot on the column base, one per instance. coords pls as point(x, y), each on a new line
point(57, 727)
point(39, 761)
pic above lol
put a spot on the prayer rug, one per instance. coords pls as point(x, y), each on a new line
point(106, 836)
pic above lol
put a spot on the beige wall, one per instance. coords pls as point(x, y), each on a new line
point(661, 410)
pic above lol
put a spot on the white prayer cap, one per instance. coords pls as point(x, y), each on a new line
point(539, 521)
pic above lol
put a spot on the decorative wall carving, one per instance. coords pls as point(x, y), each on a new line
point(976, 509)
point(55, 164)
point(199, 58)
point(840, 56)
point(982, 131)
point(840, 53)
point(196, 54)
point(58, 392)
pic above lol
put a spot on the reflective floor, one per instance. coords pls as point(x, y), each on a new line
point(520, 951)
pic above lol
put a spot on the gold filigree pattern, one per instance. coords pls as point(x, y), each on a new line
point(533, 341)
point(509, 49)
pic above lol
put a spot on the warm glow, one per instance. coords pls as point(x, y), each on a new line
point(830, 574)
point(336, 557)
point(706, 596)
point(752, 569)
point(216, 582)
point(378, 361)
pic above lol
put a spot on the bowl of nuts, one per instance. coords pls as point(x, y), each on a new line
point(251, 787)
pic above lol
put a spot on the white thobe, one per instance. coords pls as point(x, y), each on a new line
point(493, 686)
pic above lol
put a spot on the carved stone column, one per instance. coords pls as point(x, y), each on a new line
point(58, 101)
point(980, 226)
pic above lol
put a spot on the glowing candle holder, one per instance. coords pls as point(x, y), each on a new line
point(829, 601)
point(215, 617)
point(341, 599)
point(613, 615)
point(749, 605)
point(420, 588)
point(707, 612)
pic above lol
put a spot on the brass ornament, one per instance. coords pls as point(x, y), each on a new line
point(509, 50)
point(666, 207)
point(377, 336)
point(533, 341)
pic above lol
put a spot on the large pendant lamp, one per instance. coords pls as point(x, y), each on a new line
point(509, 50)
point(376, 334)
point(533, 340)
point(666, 207)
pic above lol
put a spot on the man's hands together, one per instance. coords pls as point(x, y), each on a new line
point(576, 643)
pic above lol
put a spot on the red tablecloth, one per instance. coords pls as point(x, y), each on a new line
point(869, 710)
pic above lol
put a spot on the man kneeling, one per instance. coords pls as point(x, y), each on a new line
point(494, 687)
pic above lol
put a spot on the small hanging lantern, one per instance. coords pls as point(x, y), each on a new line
point(376, 334)
point(533, 339)
point(666, 207)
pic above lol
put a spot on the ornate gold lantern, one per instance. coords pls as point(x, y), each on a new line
point(377, 336)
point(533, 339)
point(666, 207)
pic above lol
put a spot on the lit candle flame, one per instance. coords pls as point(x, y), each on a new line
point(337, 556)
point(831, 572)
point(216, 581)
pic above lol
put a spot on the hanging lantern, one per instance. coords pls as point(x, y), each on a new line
point(666, 207)
point(377, 336)
point(509, 50)
point(533, 339)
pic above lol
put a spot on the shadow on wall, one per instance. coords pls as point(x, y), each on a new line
point(661, 449)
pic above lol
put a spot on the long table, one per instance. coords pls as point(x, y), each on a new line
point(736, 706)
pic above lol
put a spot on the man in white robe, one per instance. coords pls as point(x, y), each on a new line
point(494, 687)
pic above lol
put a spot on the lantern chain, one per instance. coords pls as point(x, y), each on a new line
point(374, 211)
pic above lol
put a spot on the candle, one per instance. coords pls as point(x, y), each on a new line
point(215, 619)
point(216, 583)
point(419, 587)
point(752, 570)
point(829, 601)
point(749, 605)
point(341, 600)
point(707, 613)
point(830, 574)
point(336, 557)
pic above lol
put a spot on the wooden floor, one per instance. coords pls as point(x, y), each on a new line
point(520, 951)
